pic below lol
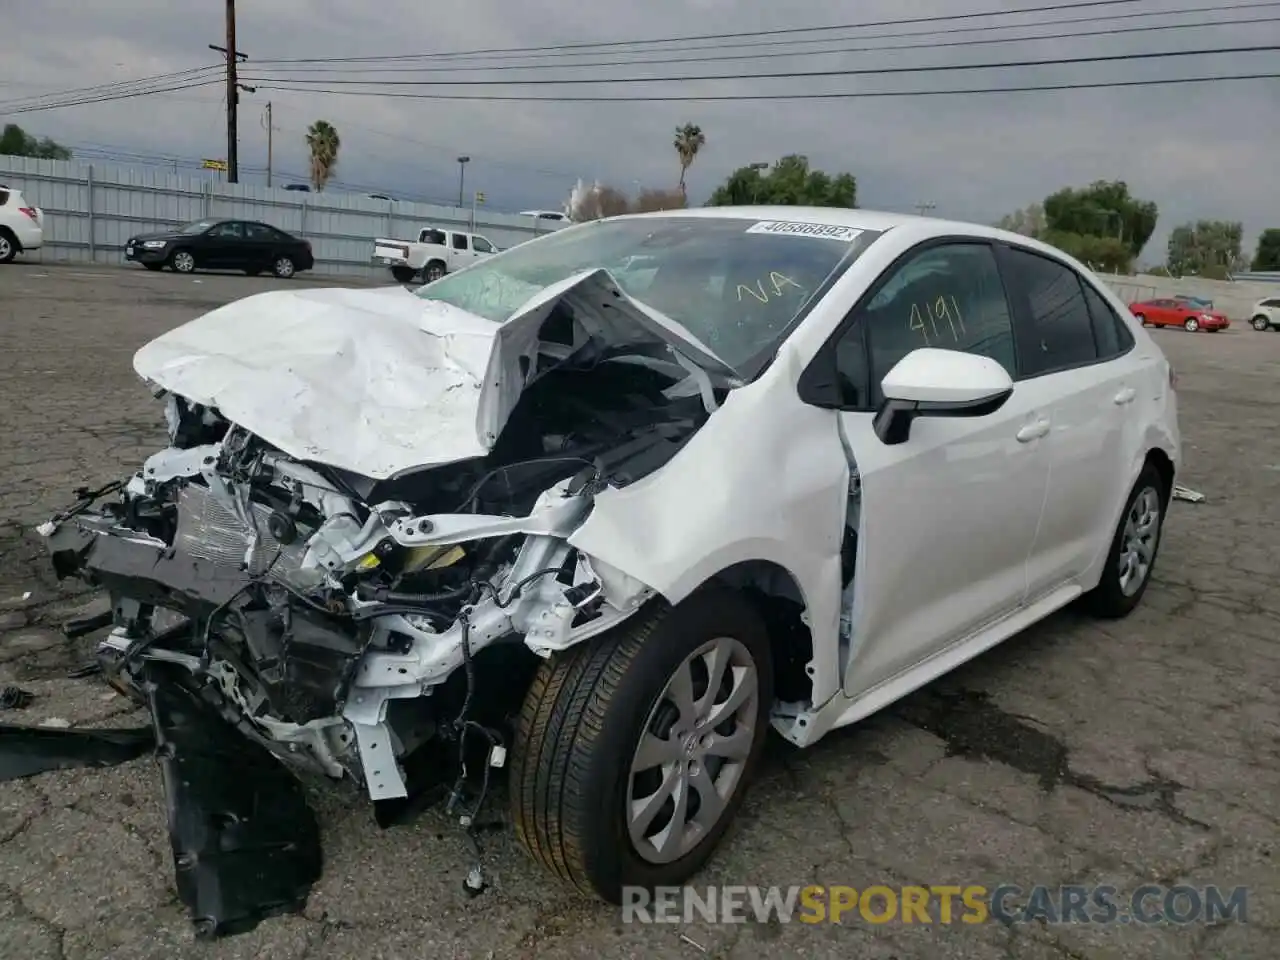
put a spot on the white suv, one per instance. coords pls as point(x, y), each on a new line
point(21, 225)
point(1266, 314)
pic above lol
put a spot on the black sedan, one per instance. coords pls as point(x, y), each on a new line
point(222, 245)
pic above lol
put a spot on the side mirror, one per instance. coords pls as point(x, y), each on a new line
point(939, 383)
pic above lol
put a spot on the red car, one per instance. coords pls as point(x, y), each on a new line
point(1179, 313)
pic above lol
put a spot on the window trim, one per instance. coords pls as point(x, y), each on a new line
point(818, 383)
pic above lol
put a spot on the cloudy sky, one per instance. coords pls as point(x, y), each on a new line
point(1204, 150)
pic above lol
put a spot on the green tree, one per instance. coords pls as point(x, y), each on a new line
point(1195, 248)
point(323, 144)
point(1108, 254)
point(1267, 256)
point(790, 182)
point(689, 140)
point(1029, 221)
point(1102, 209)
point(16, 142)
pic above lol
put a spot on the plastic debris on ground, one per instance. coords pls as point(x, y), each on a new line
point(15, 698)
point(246, 845)
point(27, 751)
point(1186, 493)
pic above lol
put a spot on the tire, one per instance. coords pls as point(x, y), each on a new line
point(283, 268)
point(434, 271)
point(1142, 318)
point(404, 274)
point(8, 247)
point(580, 726)
point(1114, 597)
point(154, 266)
point(182, 261)
point(1260, 323)
point(1192, 325)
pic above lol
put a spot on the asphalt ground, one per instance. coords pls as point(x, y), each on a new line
point(1140, 752)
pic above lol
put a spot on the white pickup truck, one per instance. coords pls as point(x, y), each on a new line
point(435, 253)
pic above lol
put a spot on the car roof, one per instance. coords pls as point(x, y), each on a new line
point(857, 219)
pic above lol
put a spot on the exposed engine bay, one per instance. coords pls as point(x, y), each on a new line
point(344, 622)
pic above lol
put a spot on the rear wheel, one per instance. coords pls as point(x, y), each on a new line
point(1260, 323)
point(633, 751)
point(8, 247)
point(1132, 555)
point(283, 268)
point(1192, 324)
point(404, 274)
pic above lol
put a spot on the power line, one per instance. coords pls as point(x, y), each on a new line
point(809, 53)
point(937, 18)
point(114, 87)
point(798, 74)
point(454, 67)
point(34, 108)
point(851, 95)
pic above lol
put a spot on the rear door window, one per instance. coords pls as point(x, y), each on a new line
point(460, 241)
point(1062, 327)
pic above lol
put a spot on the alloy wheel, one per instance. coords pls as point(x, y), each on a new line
point(693, 750)
point(1138, 544)
point(183, 262)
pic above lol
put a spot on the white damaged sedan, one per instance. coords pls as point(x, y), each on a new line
point(609, 505)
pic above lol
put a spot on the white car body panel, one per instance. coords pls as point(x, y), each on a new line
point(29, 233)
point(375, 360)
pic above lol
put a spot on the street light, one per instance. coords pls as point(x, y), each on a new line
point(755, 187)
point(462, 177)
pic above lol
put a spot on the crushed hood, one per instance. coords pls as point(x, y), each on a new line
point(381, 382)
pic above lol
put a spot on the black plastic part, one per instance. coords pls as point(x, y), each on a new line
point(15, 698)
point(83, 626)
point(27, 751)
point(246, 846)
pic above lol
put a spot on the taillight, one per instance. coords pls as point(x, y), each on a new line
point(31, 212)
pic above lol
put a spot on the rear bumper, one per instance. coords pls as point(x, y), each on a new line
point(30, 236)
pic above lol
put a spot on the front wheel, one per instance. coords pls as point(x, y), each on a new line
point(182, 261)
point(633, 751)
point(1260, 323)
point(1141, 318)
point(1132, 555)
point(435, 270)
point(1192, 324)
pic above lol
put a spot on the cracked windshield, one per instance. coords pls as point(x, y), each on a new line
point(734, 284)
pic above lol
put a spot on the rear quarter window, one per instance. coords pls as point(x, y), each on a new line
point(4, 196)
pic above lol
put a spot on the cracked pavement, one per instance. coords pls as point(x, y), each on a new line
point(1140, 751)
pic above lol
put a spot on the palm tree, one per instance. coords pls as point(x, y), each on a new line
point(323, 142)
point(689, 140)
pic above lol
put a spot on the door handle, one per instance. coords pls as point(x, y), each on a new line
point(1125, 396)
point(1033, 431)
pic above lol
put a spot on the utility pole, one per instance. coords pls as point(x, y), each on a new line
point(462, 178)
point(269, 132)
point(233, 91)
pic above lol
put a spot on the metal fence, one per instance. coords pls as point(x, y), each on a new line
point(91, 209)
